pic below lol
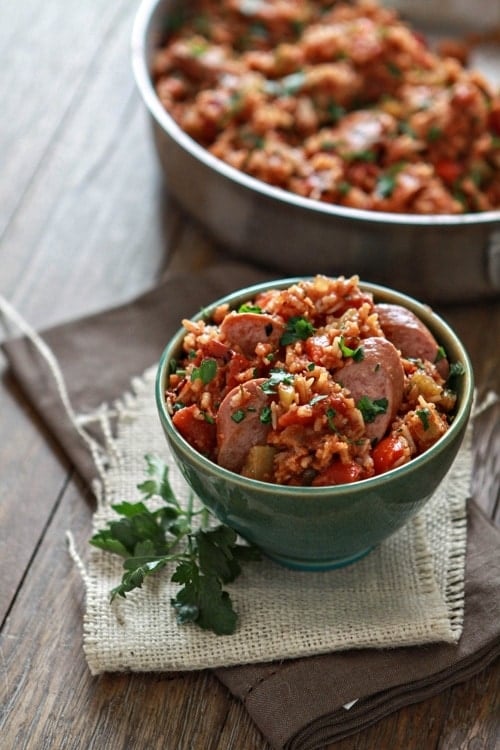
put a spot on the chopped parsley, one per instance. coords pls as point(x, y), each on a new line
point(394, 69)
point(385, 185)
point(434, 133)
point(265, 415)
point(457, 368)
point(238, 415)
point(297, 328)
point(343, 187)
point(205, 372)
point(366, 155)
point(276, 377)
point(335, 111)
point(440, 354)
point(423, 415)
point(356, 354)
point(456, 371)
point(247, 307)
point(370, 409)
point(330, 416)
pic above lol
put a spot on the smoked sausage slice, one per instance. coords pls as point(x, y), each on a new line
point(378, 376)
point(245, 330)
point(408, 334)
point(239, 425)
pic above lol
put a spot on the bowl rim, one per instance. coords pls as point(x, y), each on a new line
point(458, 424)
point(140, 31)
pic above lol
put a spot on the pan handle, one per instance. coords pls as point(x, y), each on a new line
point(493, 259)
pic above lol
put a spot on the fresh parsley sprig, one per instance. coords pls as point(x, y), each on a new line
point(206, 558)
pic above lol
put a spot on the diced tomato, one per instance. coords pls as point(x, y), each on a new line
point(198, 432)
point(237, 365)
point(388, 452)
point(338, 473)
point(448, 170)
point(303, 415)
point(214, 348)
point(315, 346)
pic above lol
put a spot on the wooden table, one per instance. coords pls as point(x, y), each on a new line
point(85, 223)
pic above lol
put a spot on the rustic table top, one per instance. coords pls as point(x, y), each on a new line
point(86, 223)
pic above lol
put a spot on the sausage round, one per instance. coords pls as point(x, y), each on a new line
point(379, 375)
point(244, 331)
point(238, 423)
point(408, 334)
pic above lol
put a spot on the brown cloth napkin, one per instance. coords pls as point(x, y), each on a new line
point(297, 704)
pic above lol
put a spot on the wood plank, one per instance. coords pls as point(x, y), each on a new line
point(50, 707)
point(33, 472)
point(46, 49)
point(88, 225)
point(88, 228)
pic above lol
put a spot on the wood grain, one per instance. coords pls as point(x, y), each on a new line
point(86, 223)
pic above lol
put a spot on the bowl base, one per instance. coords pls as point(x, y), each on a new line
point(317, 565)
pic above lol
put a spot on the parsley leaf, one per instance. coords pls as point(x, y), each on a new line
point(205, 558)
point(276, 377)
point(330, 416)
point(238, 415)
point(385, 185)
point(297, 328)
point(247, 307)
point(357, 354)
point(423, 415)
point(265, 415)
point(370, 409)
point(440, 354)
point(205, 372)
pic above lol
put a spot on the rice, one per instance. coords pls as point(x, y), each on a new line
point(339, 102)
point(286, 406)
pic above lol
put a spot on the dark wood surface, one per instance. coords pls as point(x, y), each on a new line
point(85, 223)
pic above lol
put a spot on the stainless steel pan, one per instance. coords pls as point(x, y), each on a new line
point(436, 258)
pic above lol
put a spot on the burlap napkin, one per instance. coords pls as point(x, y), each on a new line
point(298, 703)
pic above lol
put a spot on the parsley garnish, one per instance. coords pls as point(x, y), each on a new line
point(265, 415)
point(394, 69)
point(434, 133)
point(371, 409)
point(206, 558)
point(456, 371)
point(357, 354)
point(238, 415)
point(440, 354)
point(247, 307)
point(335, 111)
point(276, 377)
point(205, 372)
point(385, 185)
point(297, 328)
point(456, 368)
point(330, 416)
point(366, 155)
point(423, 415)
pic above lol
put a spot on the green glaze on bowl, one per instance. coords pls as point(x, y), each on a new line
point(318, 528)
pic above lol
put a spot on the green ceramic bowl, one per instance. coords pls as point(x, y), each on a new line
point(317, 528)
